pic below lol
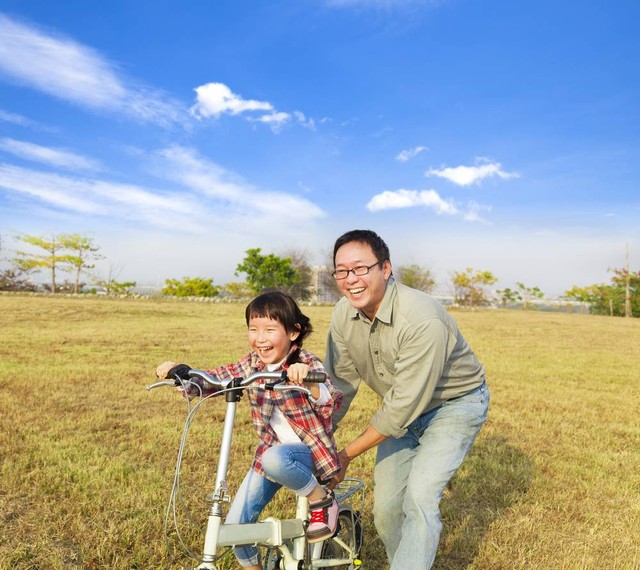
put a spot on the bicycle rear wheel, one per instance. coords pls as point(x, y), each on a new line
point(350, 533)
point(271, 559)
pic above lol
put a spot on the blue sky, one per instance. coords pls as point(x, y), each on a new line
point(497, 135)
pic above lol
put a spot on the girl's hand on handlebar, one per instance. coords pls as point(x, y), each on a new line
point(163, 369)
point(297, 373)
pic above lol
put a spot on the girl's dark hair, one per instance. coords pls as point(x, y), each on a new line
point(282, 308)
point(369, 237)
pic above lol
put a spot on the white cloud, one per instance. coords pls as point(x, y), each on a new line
point(73, 72)
point(409, 199)
point(467, 175)
point(121, 201)
point(186, 167)
point(51, 156)
point(307, 123)
point(15, 119)
point(276, 120)
point(474, 211)
point(408, 154)
point(214, 99)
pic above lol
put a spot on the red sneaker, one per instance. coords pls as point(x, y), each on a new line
point(323, 518)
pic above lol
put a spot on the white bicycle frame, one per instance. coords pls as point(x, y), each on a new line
point(286, 535)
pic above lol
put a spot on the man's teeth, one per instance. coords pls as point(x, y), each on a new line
point(356, 291)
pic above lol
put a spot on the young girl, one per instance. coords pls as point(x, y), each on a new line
point(296, 446)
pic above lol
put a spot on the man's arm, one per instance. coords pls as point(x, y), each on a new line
point(368, 439)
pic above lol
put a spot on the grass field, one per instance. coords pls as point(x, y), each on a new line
point(88, 455)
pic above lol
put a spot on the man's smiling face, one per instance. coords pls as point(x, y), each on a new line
point(365, 292)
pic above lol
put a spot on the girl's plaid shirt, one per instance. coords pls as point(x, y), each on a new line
point(310, 422)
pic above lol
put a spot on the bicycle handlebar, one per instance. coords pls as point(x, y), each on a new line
point(312, 377)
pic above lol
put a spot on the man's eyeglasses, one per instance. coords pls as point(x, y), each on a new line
point(358, 271)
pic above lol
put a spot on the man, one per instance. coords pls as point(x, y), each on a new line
point(404, 345)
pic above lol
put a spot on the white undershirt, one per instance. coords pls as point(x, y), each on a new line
point(279, 422)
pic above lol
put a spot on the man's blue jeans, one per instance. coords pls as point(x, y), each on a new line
point(290, 465)
point(411, 474)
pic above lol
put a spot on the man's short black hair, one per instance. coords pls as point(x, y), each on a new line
point(371, 238)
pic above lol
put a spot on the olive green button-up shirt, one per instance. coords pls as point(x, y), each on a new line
point(412, 355)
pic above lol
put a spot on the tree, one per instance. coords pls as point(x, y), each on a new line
point(267, 271)
point(238, 290)
point(416, 277)
point(508, 296)
point(51, 260)
point(620, 298)
point(83, 252)
point(302, 288)
point(527, 294)
point(190, 287)
point(469, 287)
point(112, 286)
point(15, 280)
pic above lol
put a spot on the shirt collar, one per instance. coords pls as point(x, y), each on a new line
point(385, 310)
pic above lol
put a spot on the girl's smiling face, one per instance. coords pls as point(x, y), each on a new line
point(269, 339)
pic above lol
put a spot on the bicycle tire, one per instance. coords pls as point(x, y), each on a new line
point(350, 532)
point(271, 558)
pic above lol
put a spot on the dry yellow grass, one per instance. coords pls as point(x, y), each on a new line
point(88, 454)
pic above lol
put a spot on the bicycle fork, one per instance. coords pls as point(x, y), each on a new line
point(220, 494)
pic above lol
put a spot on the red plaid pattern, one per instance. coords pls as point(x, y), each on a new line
point(311, 422)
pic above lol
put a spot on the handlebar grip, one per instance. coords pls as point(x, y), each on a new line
point(316, 377)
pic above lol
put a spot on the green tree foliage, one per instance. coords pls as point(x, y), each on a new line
point(416, 277)
point(528, 294)
point(267, 271)
point(508, 296)
point(83, 252)
point(51, 259)
point(610, 299)
point(470, 287)
point(111, 285)
point(190, 287)
point(237, 290)
point(15, 280)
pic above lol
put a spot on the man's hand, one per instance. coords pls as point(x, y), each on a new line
point(344, 464)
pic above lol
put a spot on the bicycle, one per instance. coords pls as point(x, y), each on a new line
point(283, 542)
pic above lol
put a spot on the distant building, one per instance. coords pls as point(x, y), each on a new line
point(323, 286)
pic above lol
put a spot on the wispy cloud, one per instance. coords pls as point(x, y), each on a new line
point(68, 70)
point(198, 174)
point(216, 99)
point(398, 199)
point(51, 156)
point(467, 175)
point(410, 153)
point(97, 197)
point(474, 211)
point(7, 117)
point(394, 199)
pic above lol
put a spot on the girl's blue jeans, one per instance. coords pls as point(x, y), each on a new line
point(288, 464)
point(411, 474)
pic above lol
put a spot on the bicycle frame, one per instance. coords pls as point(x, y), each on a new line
point(286, 535)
